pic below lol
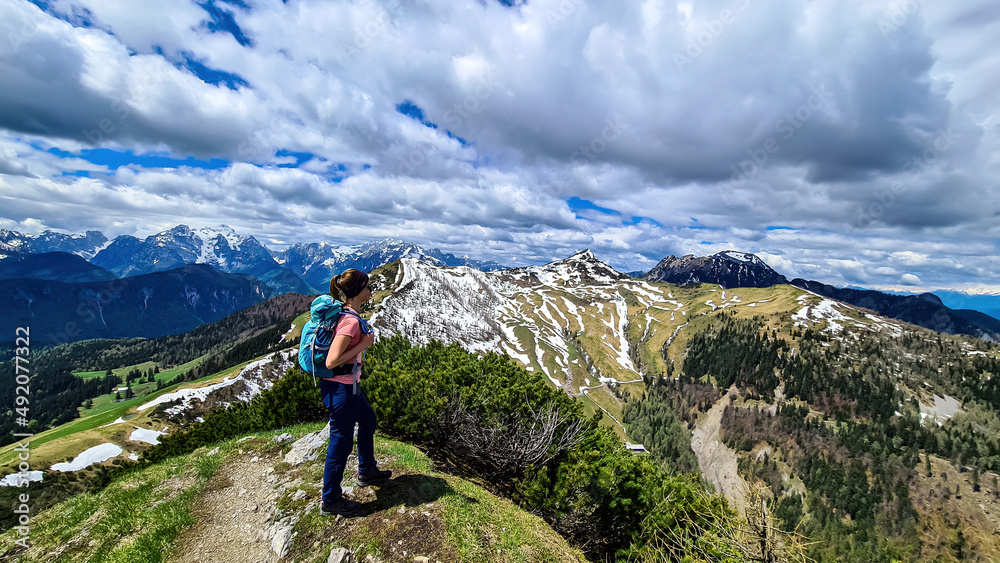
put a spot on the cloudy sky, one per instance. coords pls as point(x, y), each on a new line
point(843, 141)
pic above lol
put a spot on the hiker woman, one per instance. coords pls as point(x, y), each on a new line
point(344, 399)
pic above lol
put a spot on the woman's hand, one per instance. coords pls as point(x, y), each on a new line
point(367, 340)
point(339, 354)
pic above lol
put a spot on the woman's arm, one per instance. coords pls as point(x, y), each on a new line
point(339, 354)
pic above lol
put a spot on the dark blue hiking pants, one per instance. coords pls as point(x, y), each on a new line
point(345, 409)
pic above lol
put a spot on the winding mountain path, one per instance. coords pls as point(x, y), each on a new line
point(717, 461)
point(232, 516)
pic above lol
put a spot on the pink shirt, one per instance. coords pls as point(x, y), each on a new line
point(348, 324)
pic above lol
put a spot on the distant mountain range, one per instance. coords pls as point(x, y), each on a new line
point(301, 268)
point(317, 263)
point(86, 245)
point(149, 305)
point(926, 310)
point(985, 303)
point(222, 248)
point(308, 268)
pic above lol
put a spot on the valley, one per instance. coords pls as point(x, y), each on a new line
point(760, 386)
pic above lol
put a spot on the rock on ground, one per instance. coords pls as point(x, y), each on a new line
point(308, 447)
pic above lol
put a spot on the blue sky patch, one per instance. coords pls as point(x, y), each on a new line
point(115, 159)
point(78, 17)
point(577, 204)
point(637, 219)
point(779, 228)
point(300, 158)
point(223, 22)
point(210, 75)
point(413, 111)
point(460, 140)
point(337, 173)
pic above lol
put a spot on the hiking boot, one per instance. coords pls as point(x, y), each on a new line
point(341, 506)
point(374, 477)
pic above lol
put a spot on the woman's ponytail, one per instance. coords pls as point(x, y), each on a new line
point(335, 290)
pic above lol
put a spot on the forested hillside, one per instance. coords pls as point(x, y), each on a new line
point(832, 409)
point(839, 425)
point(238, 337)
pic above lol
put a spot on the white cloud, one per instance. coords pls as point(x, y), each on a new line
point(878, 148)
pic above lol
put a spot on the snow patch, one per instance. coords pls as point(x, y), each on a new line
point(186, 396)
point(119, 421)
point(89, 457)
point(826, 310)
point(18, 479)
point(944, 408)
point(146, 435)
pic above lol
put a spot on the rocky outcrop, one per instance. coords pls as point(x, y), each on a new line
point(729, 269)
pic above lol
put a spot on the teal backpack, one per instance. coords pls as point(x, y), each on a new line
point(318, 333)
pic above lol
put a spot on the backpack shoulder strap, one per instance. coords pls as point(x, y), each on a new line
point(365, 327)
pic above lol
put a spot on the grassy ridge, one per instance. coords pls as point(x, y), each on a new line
point(110, 526)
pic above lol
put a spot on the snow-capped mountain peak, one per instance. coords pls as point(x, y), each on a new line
point(744, 257)
point(220, 247)
point(85, 245)
point(729, 268)
point(582, 268)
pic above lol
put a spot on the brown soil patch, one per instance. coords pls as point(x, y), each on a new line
point(717, 461)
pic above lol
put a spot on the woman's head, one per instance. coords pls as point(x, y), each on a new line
point(348, 285)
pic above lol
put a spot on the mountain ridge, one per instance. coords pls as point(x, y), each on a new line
point(610, 343)
point(147, 305)
point(728, 268)
point(300, 268)
point(308, 268)
point(925, 309)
